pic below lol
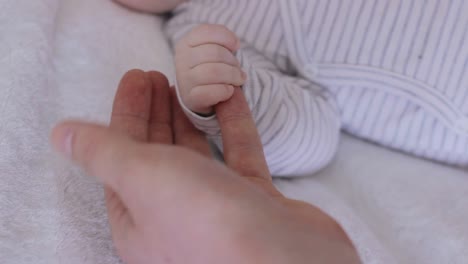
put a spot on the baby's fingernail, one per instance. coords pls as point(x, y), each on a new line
point(244, 75)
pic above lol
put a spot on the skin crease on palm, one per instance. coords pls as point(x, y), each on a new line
point(170, 202)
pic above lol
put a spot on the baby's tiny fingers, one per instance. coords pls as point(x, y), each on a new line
point(213, 34)
point(216, 73)
point(206, 96)
point(210, 53)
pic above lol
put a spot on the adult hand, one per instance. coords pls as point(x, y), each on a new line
point(168, 202)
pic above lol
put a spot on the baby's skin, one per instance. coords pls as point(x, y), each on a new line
point(312, 76)
point(207, 70)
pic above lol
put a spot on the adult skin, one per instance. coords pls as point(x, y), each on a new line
point(169, 202)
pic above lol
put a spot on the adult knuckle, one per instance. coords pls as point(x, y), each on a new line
point(234, 117)
point(249, 170)
point(245, 146)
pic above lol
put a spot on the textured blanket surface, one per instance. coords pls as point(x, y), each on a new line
point(63, 58)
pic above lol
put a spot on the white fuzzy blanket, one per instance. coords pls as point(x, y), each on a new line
point(64, 58)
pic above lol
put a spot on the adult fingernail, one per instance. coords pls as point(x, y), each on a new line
point(62, 139)
point(67, 143)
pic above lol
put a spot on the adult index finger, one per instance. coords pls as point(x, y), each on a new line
point(243, 150)
point(160, 121)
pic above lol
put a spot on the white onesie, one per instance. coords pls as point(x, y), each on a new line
point(394, 72)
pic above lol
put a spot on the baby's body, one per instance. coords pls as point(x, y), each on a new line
point(394, 72)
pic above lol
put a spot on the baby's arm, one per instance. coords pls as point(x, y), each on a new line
point(298, 123)
point(151, 6)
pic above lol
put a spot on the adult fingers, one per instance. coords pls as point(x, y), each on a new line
point(130, 115)
point(243, 150)
point(132, 104)
point(185, 134)
point(160, 127)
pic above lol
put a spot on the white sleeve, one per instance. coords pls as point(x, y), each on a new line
point(298, 122)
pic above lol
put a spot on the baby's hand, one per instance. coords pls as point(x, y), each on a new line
point(206, 67)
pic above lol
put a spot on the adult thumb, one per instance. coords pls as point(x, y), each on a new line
point(100, 151)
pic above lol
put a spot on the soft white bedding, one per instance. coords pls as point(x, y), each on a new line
point(397, 208)
point(63, 58)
